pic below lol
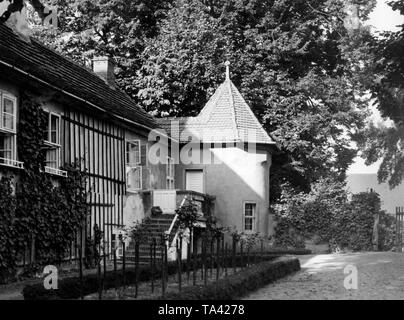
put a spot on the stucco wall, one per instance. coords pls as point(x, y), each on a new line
point(240, 177)
point(135, 208)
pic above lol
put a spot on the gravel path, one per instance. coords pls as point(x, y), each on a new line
point(380, 276)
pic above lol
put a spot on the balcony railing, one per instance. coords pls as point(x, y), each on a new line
point(56, 172)
point(11, 163)
point(174, 199)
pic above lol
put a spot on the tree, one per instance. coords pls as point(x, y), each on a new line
point(387, 87)
point(117, 28)
point(298, 63)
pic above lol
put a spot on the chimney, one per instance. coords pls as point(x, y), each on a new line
point(104, 68)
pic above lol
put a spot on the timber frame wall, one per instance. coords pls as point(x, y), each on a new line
point(99, 145)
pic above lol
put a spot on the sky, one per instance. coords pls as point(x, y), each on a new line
point(383, 18)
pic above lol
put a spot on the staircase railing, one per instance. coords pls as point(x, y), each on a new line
point(168, 232)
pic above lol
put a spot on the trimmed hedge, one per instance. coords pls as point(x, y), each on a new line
point(239, 284)
point(283, 251)
point(69, 288)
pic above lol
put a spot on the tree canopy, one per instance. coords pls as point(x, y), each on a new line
point(386, 83)
point(299, 64)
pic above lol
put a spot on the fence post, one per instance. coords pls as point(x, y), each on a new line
point(136, 267)
point(166, 259)
point(114, 248)
point(189, 255)
point(177, 245)
point(204, 266)
point(81, 272)
point(163, 276)
point(194, 264)
point(123, 263)
point(217, 257)
point(233, 258)
point(222, 259)
point(241, 255)
point(248, 254)
point(115, 264)
point(212, 254)
point(105, 264)
point(99, 278)
point(152, 266)
point(226, 258)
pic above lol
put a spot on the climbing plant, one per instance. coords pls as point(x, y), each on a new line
point(7, 234)
point(44, 213)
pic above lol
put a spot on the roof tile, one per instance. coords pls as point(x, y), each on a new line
point(51, 67)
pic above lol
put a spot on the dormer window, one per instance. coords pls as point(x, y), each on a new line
point(52, 144)
point(8, 131)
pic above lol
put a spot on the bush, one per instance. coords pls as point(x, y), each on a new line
point(301, 216)
point(387, 231)
point(352, 226)
point(326, 215)
point(239, 284)
point(69, 288)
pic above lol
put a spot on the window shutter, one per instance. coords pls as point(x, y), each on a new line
point(145, 178)
point(143, 155)
point(194, 180)
point(145, 169)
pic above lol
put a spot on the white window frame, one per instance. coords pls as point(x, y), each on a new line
point(128, 169)
point(48, 141)
point(11, 133)
point(54, 146)
point(3, 96)
point(253, 217)
point(170, 173)
point(12, 162)
point(137, 163)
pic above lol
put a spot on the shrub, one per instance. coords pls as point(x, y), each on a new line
point(301, 216)
point(239, 284)
point(387, 229)
point(7, 231)
point(326, 215)
point(69, 288)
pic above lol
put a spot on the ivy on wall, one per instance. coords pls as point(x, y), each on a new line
point(42, 213)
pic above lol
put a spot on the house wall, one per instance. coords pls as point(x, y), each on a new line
point(137, 206)
point(241, 176)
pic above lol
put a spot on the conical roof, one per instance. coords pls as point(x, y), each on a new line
point(225, 118)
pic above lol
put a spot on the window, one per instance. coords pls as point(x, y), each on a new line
point(52, 131)
point(52, 158)
point(8, 113)
point(8, 131)
point(249, 216)
point(7, 146)
point(170, 173)
point(52, 144)
point(194, 180)
point(132, 153)
point(134, 178)
point(133, 168)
